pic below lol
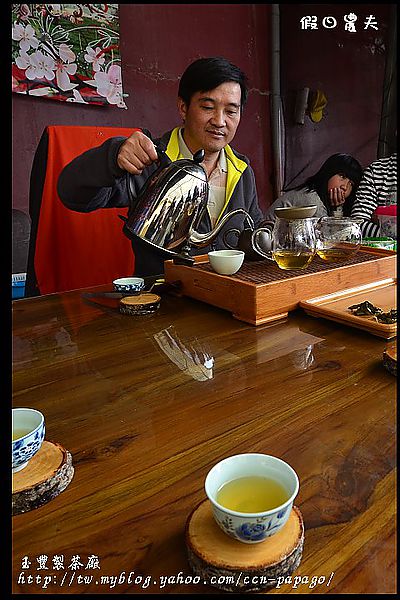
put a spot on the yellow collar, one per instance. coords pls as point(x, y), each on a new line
point(174, 153)
point(235, 165)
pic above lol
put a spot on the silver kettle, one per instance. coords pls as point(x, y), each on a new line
point(170, 206)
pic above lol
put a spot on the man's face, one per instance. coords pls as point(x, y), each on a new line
point(212, 117)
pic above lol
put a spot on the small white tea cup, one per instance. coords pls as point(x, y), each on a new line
point(226, 262)
point(251, 528)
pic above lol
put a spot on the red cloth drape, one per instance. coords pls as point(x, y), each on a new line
point(76, 250)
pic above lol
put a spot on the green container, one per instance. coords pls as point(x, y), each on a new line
point(381, 242)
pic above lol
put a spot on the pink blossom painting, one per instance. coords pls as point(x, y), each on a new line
point(67, 52)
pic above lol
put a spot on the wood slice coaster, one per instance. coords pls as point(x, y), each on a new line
point(234, 566)
point(390, 358)
point(142, 304)
point(45, 476)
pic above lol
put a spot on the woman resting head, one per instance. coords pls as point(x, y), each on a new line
point(335, 184)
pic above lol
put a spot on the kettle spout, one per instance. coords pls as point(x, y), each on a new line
point(204, 239)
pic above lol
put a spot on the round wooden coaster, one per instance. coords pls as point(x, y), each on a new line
point(142, 304)
point(233, 566)
point(45, 476)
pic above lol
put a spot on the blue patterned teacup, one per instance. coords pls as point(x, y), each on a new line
point(252, 527)
point(128, 284)
point(28, 429)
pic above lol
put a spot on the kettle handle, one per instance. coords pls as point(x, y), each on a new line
point(164, 161)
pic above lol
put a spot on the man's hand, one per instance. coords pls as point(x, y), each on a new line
point(136, 153)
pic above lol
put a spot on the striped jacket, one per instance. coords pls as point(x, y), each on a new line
point(378, 182)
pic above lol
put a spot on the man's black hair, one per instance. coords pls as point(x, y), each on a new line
point(205, 74)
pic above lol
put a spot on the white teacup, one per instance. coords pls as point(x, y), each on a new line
point(226, 262)
point(252, 527)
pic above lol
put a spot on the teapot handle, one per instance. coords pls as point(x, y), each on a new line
point(225, 235)
point(164, 160)
point(255, 244)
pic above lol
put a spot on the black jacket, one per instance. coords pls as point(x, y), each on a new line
point(93, 180)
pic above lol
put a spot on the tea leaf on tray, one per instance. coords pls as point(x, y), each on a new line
point(388, 317)
point(364, 308)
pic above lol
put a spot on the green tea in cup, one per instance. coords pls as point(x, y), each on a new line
point(19, 433)
point(252, 494)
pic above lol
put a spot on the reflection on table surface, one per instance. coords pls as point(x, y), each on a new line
point(146, 405)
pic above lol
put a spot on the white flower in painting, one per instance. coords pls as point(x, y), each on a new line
point(25, 36)
point(109, 85)
point(43, 91)
point(23, 60)
point(65, 67)
point(94, 56)
point(66, 54)
point(77, 98)
point(63, 71)
point(37, 65)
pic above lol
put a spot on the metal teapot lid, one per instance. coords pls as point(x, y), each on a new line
point(191, 166)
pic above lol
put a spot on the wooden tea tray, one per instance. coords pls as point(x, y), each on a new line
point(261, 292)
point(336, 306)
point(234, 566)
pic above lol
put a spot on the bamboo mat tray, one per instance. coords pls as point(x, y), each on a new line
point(336, 306)
point(260, 292)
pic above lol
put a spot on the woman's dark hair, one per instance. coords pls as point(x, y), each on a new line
point(206, 74)
point(337, 164)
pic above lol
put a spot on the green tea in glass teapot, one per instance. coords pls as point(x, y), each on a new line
point(289, 240)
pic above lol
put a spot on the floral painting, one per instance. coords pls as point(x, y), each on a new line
point(67, 52)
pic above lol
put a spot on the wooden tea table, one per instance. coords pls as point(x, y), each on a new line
point(147, 405)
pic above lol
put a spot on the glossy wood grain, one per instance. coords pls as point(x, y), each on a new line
point(143, 432)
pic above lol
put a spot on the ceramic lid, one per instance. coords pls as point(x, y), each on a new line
point(295, 212)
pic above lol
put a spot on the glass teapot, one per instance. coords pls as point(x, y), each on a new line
point(338, 239)
point(290, 240)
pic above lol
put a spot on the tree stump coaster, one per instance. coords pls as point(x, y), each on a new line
point(45, 476)
point(234, 566)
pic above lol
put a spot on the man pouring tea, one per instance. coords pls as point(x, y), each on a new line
point(211, 97)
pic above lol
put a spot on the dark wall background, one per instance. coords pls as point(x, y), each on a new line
point(349, 68)
point(159, 41)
